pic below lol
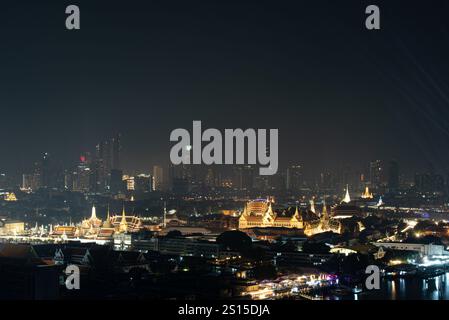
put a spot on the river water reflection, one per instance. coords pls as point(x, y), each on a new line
point(407, 289)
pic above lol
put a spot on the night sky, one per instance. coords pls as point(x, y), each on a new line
point(338, 93)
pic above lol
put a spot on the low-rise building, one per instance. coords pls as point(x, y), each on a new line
point(423, 249)
point(11, 227)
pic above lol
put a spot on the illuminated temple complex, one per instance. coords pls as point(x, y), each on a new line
point(260, 214)
point(95, 228)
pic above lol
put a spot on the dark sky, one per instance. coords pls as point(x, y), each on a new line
point(338, 93)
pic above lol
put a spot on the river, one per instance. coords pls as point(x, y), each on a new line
point(436, 288)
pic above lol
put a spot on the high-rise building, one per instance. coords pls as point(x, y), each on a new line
point(116, 152)
point(97, 180)
point(325, 180)
point(393, 176)
point(294, 178)
point(3, 181)
point(117, 185)
point(158, 178)
point(108, 157)
point(244, 177)
point(46, 171)
point(210, 178)
point(181, 176)
point(51, 174)
point(30, 181)
point(80, 177)
point(143, 183)
point(429, 182)
point(261, 183)
point(104, 152)
point(130, 182)
point(376, 173)
point(180, 185)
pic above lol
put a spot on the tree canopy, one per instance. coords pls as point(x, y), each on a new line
point(234, 240)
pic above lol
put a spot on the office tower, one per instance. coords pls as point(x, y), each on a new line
point(143, 183)
point(79, 180)
point(116, 152)
point(86, 158)
point(97, 179)
point(244, 177)
point(181, 175)
point(429, 182)
point(69, 177)
point(51, 174)
point(325, 180)
point(294, 178)
point(108, 157)
point(45, 170)
point(276, 181)
point(30, 181)
point(158, 178)
point(261, 183)
point(180, 186)
point(212, 176)
point(3, 181)
point(83, 174)
point(130, 182)
point(209, 179)
point(117, 185)
point(102, 166)
point(393, 176)
point(376, 173)
point(104, 153)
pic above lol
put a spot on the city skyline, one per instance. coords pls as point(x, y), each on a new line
point(224, 154)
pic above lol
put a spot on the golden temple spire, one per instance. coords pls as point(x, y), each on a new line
point(123, 223)
point(297, 215)
point(347, 198)
point(123, 214)
point(367, 194)
point(324, 214)
point(312, 206)
point(245, 210)
point(270, 209)
point(107, 223)
point(94, 213)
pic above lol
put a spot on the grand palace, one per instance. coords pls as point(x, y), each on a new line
point(260, 214)
point(95, 228)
